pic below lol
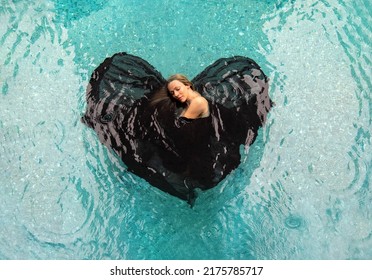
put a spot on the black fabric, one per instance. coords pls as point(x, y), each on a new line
point(172, 153)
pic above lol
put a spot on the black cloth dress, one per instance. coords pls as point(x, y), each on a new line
point(173, 153)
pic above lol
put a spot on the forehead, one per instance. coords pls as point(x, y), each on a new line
point(174, 84)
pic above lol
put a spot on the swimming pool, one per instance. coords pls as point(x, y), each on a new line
point(302, 190)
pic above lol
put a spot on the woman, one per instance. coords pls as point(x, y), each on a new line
point(179, 93)
point(184, 117)
point(182, 90)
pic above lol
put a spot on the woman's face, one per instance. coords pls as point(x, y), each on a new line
point(178, 90)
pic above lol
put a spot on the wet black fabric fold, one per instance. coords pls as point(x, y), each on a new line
point(173, 153)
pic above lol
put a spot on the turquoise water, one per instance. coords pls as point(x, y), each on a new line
point(302, 191)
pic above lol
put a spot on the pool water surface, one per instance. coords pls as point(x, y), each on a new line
point(302, 190)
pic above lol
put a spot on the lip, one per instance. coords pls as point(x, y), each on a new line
point(181, 99)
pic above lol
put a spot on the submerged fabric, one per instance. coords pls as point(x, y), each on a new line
point(172, 153)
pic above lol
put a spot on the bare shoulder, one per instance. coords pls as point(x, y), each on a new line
point(197, 108)
point(199, 101)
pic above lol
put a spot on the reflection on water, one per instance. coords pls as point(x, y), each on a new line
point(301, 192)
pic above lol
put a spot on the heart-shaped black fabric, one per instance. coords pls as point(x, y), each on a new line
point(172, 153)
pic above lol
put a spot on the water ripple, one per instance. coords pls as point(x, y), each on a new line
point(302, 191)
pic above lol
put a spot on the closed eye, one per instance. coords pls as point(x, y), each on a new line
point(175, 89)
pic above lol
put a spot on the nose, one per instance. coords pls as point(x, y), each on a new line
point(175, 93)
